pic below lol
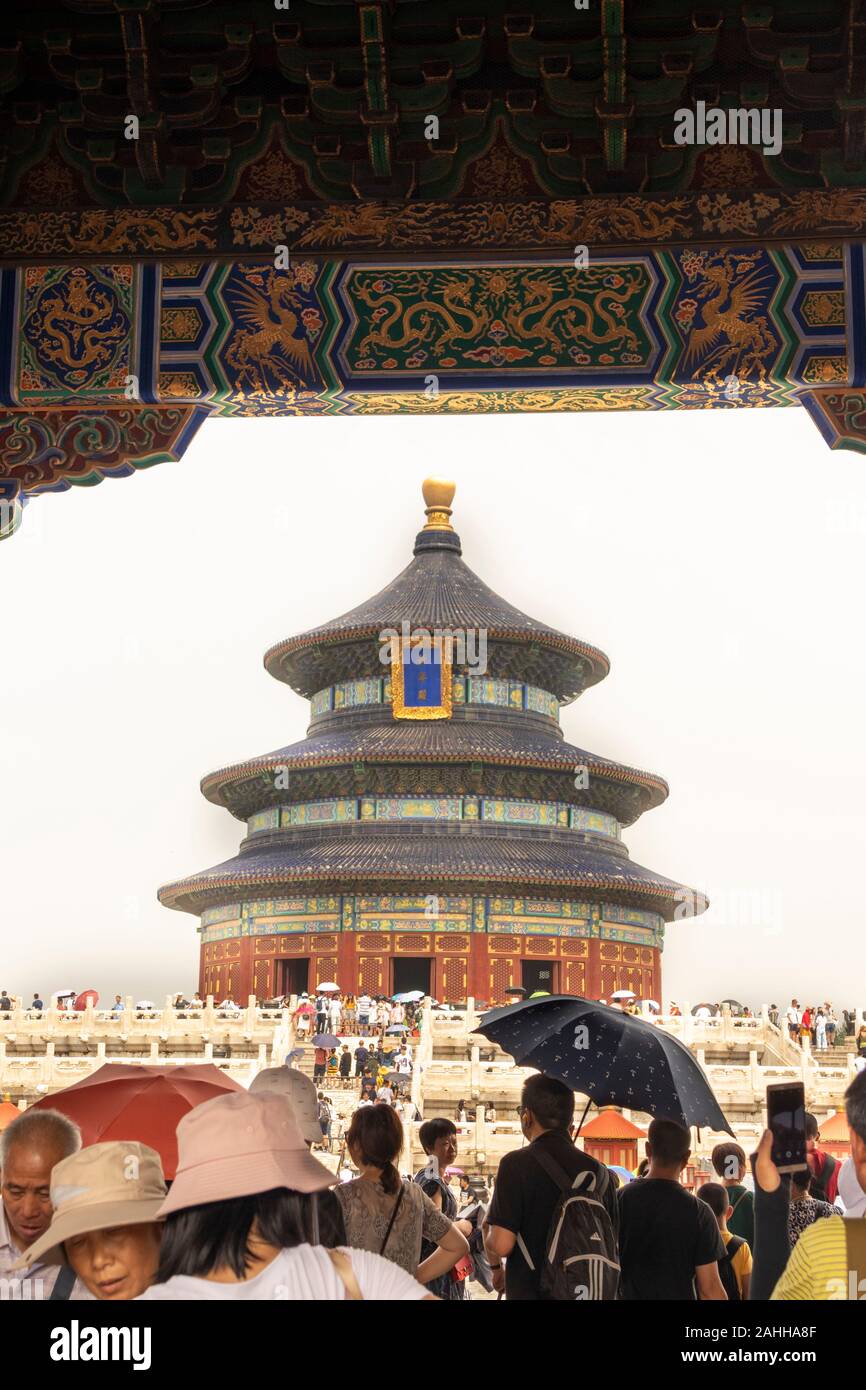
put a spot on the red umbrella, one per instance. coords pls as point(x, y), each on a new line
point(89, 996)
point(143, 1103)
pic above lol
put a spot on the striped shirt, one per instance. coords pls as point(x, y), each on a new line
point(818, 1266)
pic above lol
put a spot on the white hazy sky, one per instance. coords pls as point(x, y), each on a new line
point(717, 558)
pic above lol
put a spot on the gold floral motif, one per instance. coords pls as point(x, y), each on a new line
point(50, 183)
point(499, 172)
point(821, 250)
point(179, 324)
point(727, 166)
point(826, 370)
point(720, 212)
point(252, 227)
point(824, 307)
point(273, 178)
point(179, 384)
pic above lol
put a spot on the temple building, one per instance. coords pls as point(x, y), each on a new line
point(434, 830)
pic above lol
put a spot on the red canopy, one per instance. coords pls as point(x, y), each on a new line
point(143, 1103)
point(8, 1113)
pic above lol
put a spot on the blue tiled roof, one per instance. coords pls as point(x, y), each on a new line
point(437, 589)
point(349, 860)
point(508, 742)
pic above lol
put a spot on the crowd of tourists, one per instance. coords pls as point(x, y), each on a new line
point(350, 1015)
point(821, 1024)
point(252, 1213)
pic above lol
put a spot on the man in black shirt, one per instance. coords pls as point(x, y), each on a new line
point(525, 1196)
point(668, 1241)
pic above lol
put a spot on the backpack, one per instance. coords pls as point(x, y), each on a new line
point(582, 1260)
point(726, 1270)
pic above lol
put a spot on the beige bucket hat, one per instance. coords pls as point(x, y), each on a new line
point(299, 1091)
point(104, 1185)
point(237, 1145)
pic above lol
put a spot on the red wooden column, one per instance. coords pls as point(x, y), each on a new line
point(347, 962)
point(593, 970)
point(478, 985)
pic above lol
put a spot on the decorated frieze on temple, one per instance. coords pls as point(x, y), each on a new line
point(397, 207)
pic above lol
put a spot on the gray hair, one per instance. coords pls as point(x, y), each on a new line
point(33, 1126)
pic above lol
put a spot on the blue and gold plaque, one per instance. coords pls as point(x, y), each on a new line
point(421, 678)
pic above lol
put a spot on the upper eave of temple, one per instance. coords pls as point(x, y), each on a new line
point(437, 590)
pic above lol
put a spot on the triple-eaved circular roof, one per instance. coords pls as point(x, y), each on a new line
point(496, 751)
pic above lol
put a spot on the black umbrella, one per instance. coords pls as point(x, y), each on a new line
point(712, 1008)
point(517, 989)
point(325, 1040)
point(610, 1056)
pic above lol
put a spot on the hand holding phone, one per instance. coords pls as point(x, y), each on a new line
point(786, 1120)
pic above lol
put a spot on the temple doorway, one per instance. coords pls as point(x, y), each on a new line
point(412, 972)
point(538, 974)
point(291, 976)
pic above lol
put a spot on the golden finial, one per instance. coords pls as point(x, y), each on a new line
point(438, 494)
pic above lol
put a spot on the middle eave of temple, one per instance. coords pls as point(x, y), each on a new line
point(334, 757)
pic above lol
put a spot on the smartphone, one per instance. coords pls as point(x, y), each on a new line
point(786, 1118)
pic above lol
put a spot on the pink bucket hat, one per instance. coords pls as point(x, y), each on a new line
point(237, 1145)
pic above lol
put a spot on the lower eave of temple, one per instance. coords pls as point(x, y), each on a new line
point(372, 862)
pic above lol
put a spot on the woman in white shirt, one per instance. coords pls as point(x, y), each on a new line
point(241, 1219)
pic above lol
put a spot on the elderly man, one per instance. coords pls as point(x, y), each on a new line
point(29, 1148)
